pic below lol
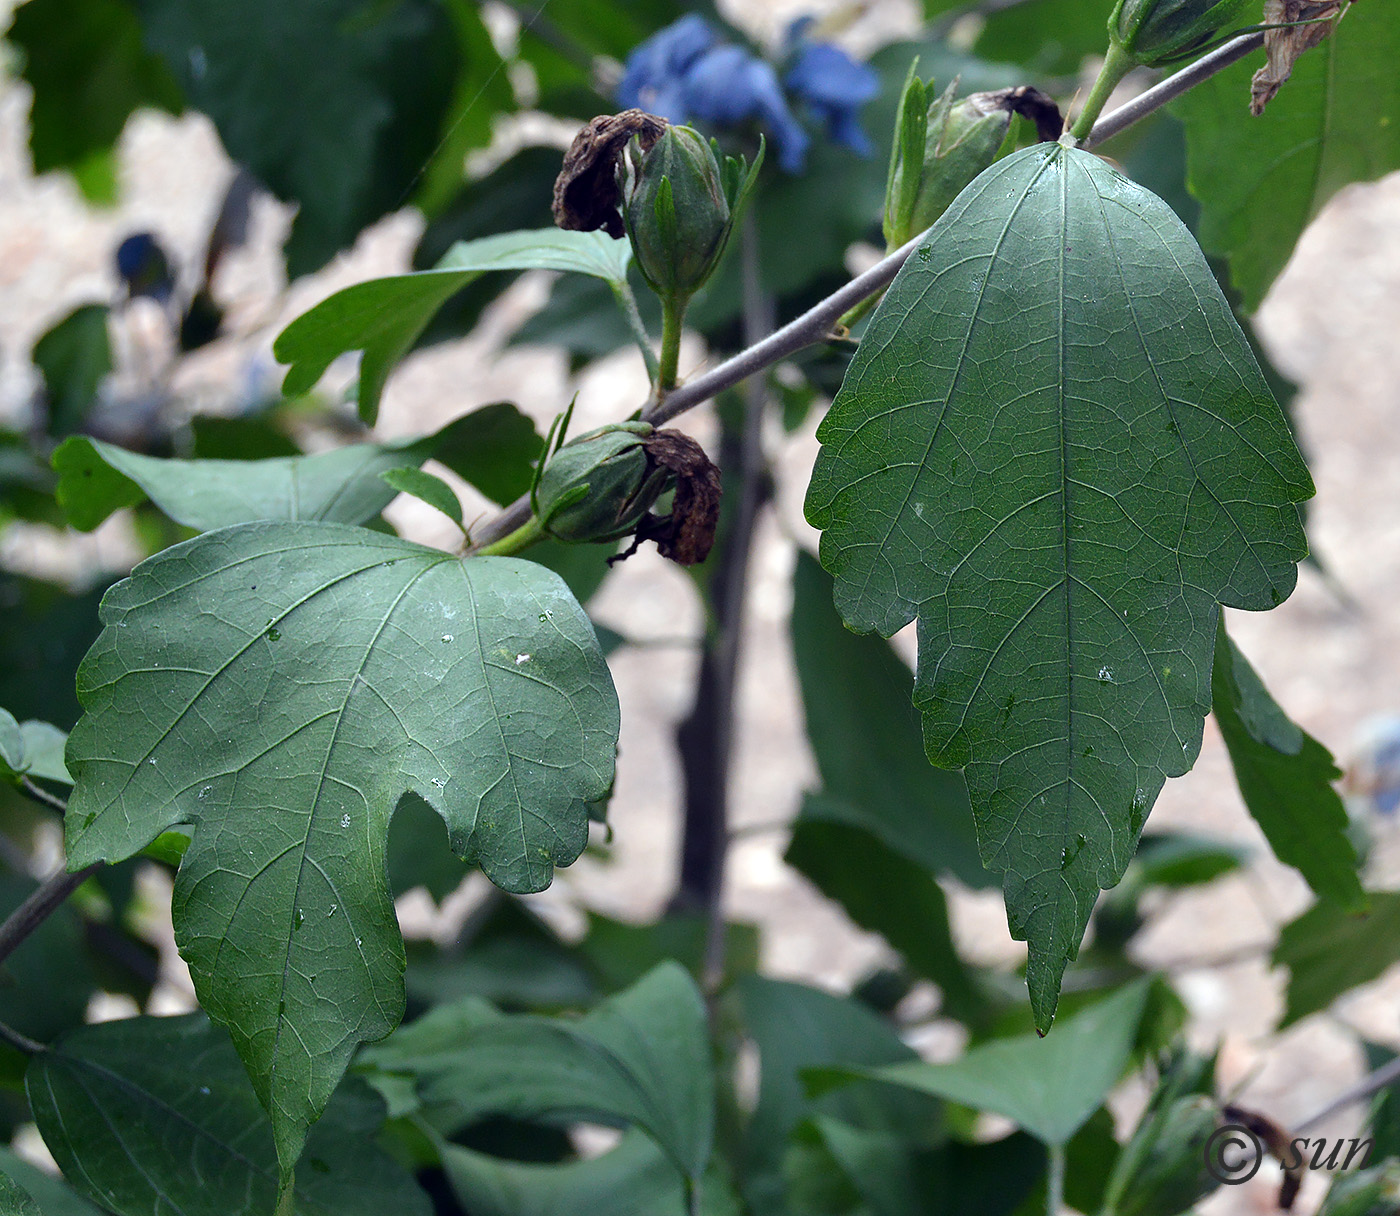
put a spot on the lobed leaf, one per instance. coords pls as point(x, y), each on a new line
point(384, 317)
point(279, 686)
point(1055, 450)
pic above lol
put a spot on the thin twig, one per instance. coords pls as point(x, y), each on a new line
point(21, 1042)
point(42, 796)
point(40, 906)
point(1173, 87)
point(815, 325)
point(1386, 1074)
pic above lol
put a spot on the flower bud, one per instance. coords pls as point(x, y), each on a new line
point(599, 486)
point(1160, 32)
point(939, 148)
point(679, 208)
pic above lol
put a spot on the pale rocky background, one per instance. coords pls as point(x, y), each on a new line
point(1332, 322)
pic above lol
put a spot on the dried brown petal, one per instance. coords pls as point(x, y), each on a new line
point(1031, 104)
point(1285, 45)
point(586, 194)
point(687, 534)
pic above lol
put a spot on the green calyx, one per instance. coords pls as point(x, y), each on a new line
point(940, 145)
point(680, 203)
point(1158, 33)
point(599, 486)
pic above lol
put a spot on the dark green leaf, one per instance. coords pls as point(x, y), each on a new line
point(73, 357)
point(15, 1200)
point(494, 448)
point(1285, 777)
point(54, 1195)
point(89, 72)
point(1329, 951)
point(279, 686)
point(481, 91)
point(339, 486)
point(219, 438)
point(1049, 1086)
point(794, 1028)
point(149, 1116)
point(419, 855)
point(383, 317)
point(1176, 859)
point(46, 983)
point(431, 490)
point(44, 632)
point(620, 953)
point(1261, 181)
point(867, 743)
point(1050, 37)
point(886, 893)
point(634, 1179)
point(337, 111)
point(641, 1057)
point(1055, 450)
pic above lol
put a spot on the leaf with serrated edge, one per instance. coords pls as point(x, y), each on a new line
point(1055, 449)
point(279, 686)
point(384, 317)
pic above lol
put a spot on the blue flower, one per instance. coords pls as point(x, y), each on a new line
point(684, 72)
point(729, 87)
point(833, 86)
point(654, 77)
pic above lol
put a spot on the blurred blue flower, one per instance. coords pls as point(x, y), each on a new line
point(685, 72)
point(727, 86)
point(144, 267)
point(654, 77)
point(832, 85)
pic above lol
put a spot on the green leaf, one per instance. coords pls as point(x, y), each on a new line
point(886, 893)
point(73, 357)
point(1055, 450)
point(1261, 181)
point(641, 1057)
point(432, 490)
point(339, 486)
point(149, 1116)
point(1049, 1086)
point(15, 1200)
point(1285, 777)
point(867, 742)
point(494, 448)
point(796, 1027)
point(1329, 951)
point(279, 686)
point(1178, 859)
point(338, 112)
point(1050, 37)
point(634, 1179)
point(384, 317)
point(41, 996)
point(34, 749)
point(55, 1197)
point(90, 73)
